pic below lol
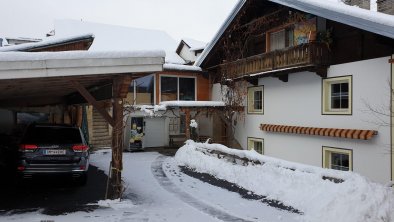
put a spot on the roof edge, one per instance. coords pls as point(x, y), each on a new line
point(222, 29)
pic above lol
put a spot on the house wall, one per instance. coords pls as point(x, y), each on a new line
point(204, 126)
point(298, 102)
point(186, 54)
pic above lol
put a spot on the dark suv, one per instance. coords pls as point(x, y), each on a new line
point(53, 149)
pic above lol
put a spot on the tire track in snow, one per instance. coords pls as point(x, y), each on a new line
point(165, 182)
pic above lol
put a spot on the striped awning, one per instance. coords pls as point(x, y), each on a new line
point(332, 132)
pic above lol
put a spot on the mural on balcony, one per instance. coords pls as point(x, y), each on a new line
point(305, 31)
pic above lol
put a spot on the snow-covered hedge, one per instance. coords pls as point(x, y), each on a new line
point(297, 185)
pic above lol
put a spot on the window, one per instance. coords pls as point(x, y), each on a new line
point(255, 100)
point(169, 88)
point(337, 159)
point(142, 90)
point(177, 88)
point(256, 144)
point(177, 125)
point(277, 40)
point(281, 39)
point(337, 95)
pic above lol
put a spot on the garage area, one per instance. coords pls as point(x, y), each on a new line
point(52, 87)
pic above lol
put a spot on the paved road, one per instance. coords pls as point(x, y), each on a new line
point(52, 195)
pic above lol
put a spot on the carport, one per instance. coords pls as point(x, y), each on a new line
point(36, 79)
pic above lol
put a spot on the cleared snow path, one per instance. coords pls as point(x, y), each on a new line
point(157, 171)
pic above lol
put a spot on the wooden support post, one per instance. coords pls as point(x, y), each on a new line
point(116, 188)
point(119, 91)
point(187, 122)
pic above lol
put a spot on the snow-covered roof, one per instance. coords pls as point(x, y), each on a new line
point(179, 67)
point(112, 37)
point(24, 39)
point(372, 21)
point(55, 40)
point(192, 104)
point(194, 44)
point(35, 56)
point(16, 65)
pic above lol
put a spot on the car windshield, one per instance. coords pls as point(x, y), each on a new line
point(52, 135)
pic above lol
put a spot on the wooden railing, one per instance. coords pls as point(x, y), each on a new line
point(309, 54)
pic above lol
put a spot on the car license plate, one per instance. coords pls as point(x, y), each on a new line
point(55, 152)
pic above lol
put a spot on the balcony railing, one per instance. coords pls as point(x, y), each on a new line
point(313, 54)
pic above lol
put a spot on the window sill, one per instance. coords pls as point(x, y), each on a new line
point(337, 112)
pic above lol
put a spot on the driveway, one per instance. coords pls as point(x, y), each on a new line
point(51, 195)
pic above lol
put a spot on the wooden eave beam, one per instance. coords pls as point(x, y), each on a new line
point(91, 100)
point(121, 86)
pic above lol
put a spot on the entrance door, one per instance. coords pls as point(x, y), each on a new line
point(155, 133)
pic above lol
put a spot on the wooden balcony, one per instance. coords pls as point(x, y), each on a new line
point(312, 56)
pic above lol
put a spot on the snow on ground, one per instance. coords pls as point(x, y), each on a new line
point(158, 190)
point(355, 199)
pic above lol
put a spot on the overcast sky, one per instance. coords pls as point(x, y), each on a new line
point(197, 19)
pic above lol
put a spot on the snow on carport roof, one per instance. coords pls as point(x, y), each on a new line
point(335, 10)
point(46, 64)
point(44, 78)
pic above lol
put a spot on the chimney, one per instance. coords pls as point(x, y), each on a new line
point(365, 4)
point(386, 6)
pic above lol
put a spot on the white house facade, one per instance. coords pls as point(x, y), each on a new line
point(321, 101)
point(299, 102)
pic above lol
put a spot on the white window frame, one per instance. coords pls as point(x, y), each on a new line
point(326, 95)
point(272, 38)
point(327, 151)
point(176, 76)
point(250, 100)
point(251, 141)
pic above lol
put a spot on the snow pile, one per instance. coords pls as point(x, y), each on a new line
point(193, 103)
point(116, 204)
point(297, 185)
point(149, 110)
point(180, 67)
point(152, 111)
point(193, 123)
